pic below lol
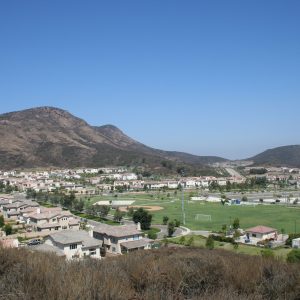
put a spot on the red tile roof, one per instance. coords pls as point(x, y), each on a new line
point(261, 229)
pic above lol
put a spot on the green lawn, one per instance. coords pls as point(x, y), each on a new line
point(199, 241)
point(279, 217)
point(94, 218)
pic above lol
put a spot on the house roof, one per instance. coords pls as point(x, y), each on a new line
point(42, 216)
point(117, 231)
point(137, 244)
point(66, 237)
point(49, 225)
point(261, 229)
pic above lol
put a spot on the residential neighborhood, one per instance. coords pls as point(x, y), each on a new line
point(80, 213)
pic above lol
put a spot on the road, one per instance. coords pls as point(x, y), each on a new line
point(233, 172)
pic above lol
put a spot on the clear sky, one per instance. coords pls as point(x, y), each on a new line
point(205, 77)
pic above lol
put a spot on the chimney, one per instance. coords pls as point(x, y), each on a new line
point(38, 210)
point(138, 226)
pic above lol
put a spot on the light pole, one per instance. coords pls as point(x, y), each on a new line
point(182, 200)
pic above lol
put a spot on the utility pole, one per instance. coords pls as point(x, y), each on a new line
point(182, 201)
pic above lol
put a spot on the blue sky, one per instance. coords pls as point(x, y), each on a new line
point(205, 77)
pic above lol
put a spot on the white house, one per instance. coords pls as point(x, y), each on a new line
point(259, 233)
point(71, 244)
point(296, 243)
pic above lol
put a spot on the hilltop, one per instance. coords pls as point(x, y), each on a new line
point(52, 137)
point(281, 156)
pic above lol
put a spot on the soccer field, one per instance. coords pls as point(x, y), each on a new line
point(277, 216)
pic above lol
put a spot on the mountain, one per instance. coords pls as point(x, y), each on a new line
point(280, 156)
point(52, 137)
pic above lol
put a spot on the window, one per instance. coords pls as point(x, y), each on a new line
point(92, 251)
point(113, 249)
point(135, 237)
point(73, 246)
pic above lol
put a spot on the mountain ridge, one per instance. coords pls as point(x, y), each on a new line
point(52, 137)
point(279, 156)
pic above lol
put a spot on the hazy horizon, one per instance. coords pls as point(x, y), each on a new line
point(217, 78)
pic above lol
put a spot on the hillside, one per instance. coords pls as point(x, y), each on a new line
point(167, 273)
point(52, 137)
point(280, 156)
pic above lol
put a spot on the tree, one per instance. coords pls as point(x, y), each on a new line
point(224, 228)
point(130, 212)
point(104, 210)
point(152, 234)
point(171, 228)
point(118, 216)
point(244, 198)
point(8, 229)
point(236, 223)
point(78, 205)
point(1, 221)
point(165, 220)
point(177, 223)
point(210, 243)
point(143, 217)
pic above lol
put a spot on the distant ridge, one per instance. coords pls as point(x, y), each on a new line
point(280, 156)
point(52, 137)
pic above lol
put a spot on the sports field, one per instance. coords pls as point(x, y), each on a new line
point(279, 217)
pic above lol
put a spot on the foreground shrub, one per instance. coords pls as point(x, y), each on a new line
point(293, 256)
point(167, 273)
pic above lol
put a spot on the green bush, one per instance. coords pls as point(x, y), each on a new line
point(152, 234)
point(1, 221)
point(267, 253)
point(190, 241)
point(210, 243)
point(223, 239)
point(291, 237)
point(293, 256)
point(8, 229)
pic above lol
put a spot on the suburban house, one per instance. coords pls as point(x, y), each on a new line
point(259, 233)
point(13, 210)
point(121, 239)
point(71, 244)
point(50, 219)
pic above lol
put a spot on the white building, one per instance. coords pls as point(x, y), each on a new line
point(260, 233)
point(296, 243)
point(71, 244)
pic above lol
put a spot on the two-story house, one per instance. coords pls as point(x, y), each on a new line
point(121, 239)
point(51, 219)
point(71, 244)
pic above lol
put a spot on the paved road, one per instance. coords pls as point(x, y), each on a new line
point(233, 172)
point(164, 231)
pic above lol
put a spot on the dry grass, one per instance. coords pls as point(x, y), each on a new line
point(160, 274)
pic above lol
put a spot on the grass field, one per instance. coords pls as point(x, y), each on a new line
point(199, 241)
point(279, 217)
